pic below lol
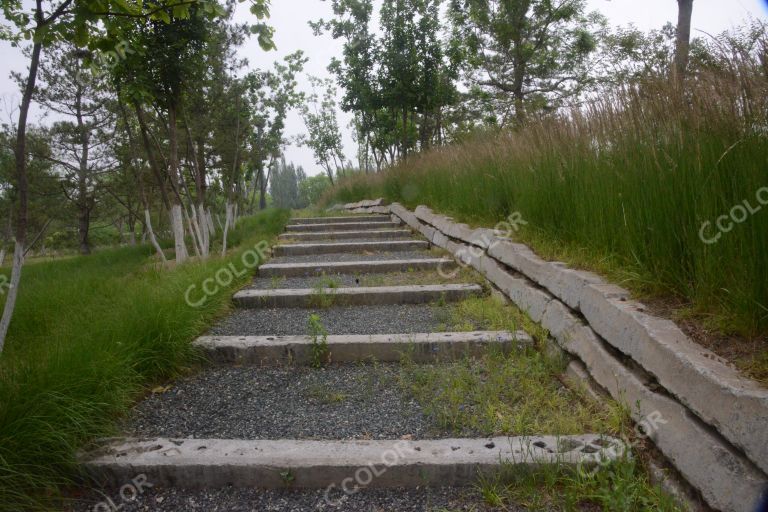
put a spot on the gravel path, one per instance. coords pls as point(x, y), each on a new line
point(389, 319)
point(349, 401)
point(394, 255)
point(436, 499)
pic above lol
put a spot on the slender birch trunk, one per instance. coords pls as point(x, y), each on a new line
point(151, 234)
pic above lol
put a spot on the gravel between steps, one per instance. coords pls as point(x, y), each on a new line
point(346, 256)
point(255, 500)
point(346, 401)
point(387, 319)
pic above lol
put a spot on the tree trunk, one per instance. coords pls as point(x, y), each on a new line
point(150, 232)
point(683, 43)
point(83, 227)
point(2, 256)
point(227, 223)
point(22, 186)
point(177, 217)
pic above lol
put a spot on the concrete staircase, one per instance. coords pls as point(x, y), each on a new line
point(306, 463)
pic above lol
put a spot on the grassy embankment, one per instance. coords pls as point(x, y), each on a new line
point(89, 336)
point(625, 186)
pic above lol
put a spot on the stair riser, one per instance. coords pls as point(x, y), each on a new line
point(354, 267)
point(254, 299)
point(347, 235)
point(341, 227)
point(419, 348)
point(310, 249)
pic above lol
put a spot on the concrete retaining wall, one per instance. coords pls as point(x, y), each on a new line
point(715, 422)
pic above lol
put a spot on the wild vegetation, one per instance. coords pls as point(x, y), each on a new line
point(657, 185)
point(90, 336)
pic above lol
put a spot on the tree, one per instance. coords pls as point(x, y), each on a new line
point(312, 188)
point(683, 39)
point(286, 183)
point(84, 22)
point(323, 131)
point(530, 54)
point(81, 151)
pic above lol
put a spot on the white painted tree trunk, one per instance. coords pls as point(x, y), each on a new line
point(2, 256)
point(151, 233)
point(202, 222)
point(211, 226)
point(13, 290)
point(192, 232)
point(177, 225)
point(227, 223)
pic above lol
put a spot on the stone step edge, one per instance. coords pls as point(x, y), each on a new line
point(215, 463)
point(342, 226)
point(330, 220)
point(367, 295)
point(373, 233)
point(342, 267)
point(418, 347)
point(339, 247)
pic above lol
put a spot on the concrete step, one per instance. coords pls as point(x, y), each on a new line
point(348, 218)
point(341, 226)
point(353, 267)
point(363, 296)
point(421, 348)
point(381, 234)
point(217, 463)
point(334, 247)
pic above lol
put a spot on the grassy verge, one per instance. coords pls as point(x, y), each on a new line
point(665, 195)
point(90, 334)
point(519, 394)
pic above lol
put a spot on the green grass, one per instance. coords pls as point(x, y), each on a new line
point(89, 336)
point(624, 185)
point(519, 394)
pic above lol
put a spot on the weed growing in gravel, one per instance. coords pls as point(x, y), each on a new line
point(321, 297)
point(621, 485)
point(325, 394)
point(317, 331)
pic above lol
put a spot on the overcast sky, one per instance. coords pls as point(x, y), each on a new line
point(290, 17)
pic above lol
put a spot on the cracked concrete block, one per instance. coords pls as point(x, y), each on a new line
point(737, 407)
point(567, 284)
point(365, 203)
point(214, 463)
point(528, 298)
point(728, 480)
point(522, 259)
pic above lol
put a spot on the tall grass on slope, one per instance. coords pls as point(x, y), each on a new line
point(89, 334)
point(630, 179)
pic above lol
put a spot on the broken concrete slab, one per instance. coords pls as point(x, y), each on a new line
point(214, 463)
point(357, 247)
point(365, 203)
point(380, 234)
point(419, 348)
point(726, 479)
point(342, 226)
point(354, 267)
point(370, 295)
point(737, 407)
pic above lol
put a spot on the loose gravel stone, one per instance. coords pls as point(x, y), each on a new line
point(349, 401)
point(387, 319)
point(255, 500)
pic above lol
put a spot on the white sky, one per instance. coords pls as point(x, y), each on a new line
point(290, 17)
